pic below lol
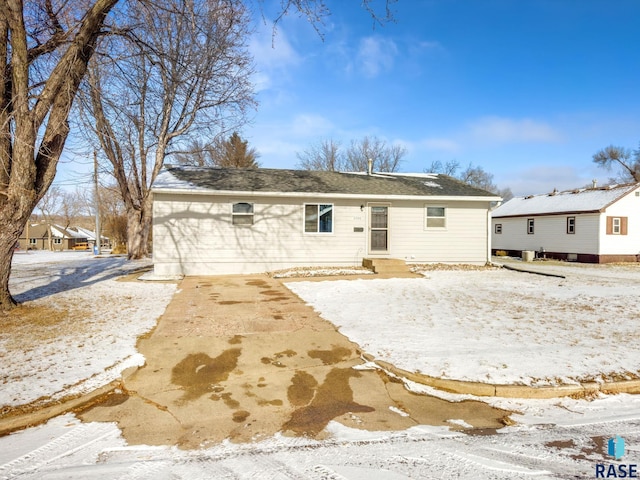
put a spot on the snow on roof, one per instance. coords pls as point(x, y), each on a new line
point(578, 200)
point(61, 232)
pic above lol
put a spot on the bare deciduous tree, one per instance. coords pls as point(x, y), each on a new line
point(626, 162)
point(197, 153)
point(474, 176)
point(449, 168)
point(158, 90)
point(386, 158)
point(49, 206)
point(326, 155)
point(45, 49)
point(44, 53)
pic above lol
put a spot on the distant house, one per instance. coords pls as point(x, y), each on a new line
point(91, 236)
point(61, 238)
point(592, 225)
point(219, 221)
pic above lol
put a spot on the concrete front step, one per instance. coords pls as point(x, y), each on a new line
point(386, 265)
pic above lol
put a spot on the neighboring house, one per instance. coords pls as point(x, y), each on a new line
point(592, 225)
point(61, 238)
point(91, 236)
point(210, 221)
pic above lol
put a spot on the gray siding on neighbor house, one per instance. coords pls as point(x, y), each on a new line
point(550, 234)
point(590, 237)
point(193, 234)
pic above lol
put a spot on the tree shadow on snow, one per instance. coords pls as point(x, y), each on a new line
point(64, 278)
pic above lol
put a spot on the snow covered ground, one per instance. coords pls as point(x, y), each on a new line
point(560, 438)
point(494, 326)
point(86, 324)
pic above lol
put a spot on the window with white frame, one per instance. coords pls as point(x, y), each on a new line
point(616, 225)
point(571, 225)
point(530, 226)
point(57, 241)
point(242, 213)
point(498, 229)
point(33, 241)
point(318, 218)
point(436, 217)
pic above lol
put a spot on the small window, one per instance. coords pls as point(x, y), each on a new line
point(616, 225)
point(318, 218)
point(57, 241)
point(242, 214)
point(530, 226)
point(436, 217)
point(33, 241)
point(571, 225)
point(498, 229)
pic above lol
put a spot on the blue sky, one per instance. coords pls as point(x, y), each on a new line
point(527, 89)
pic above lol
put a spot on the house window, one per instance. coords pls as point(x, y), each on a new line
point(242, 214)
point(571, 224)
point(617, 225)
point(57, 241)
point(436, 217)
point(498, 228)
point(33, 241)
point(530, 226)
point(318, 218)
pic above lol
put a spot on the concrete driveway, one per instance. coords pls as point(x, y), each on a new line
point(242, 358)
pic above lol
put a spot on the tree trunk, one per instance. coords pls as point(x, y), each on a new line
point(138, 229)
point(9, 236)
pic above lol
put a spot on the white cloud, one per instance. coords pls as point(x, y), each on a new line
point(376, 55)
point(272, 56)
point(544, 179)
point(508, 130)
point(441, 144)
point(309, 125)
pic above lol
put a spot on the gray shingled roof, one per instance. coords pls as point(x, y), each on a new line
point(305, 181)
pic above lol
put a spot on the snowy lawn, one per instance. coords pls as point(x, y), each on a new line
point(78, 326)
point(99, 318)
point(494, 326)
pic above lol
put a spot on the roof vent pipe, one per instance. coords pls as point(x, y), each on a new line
point(369, 167)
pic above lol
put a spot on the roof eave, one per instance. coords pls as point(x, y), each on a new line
point(243, 193)
point(547, 214)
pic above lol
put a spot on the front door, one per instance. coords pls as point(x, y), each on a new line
point(378, 229)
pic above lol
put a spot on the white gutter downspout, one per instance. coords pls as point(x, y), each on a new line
point(489, 227)
point(488, 234)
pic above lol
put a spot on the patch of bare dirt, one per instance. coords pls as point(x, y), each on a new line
point(32, 324)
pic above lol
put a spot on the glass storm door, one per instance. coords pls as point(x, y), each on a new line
point(379, 228)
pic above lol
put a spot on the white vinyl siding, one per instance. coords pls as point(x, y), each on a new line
point(465, 239)
point(194, 235)
point(550, 234)
point(627, 207)
point(590, 235)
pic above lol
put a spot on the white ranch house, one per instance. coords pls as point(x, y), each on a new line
point(209, 221)
point(592, 225)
